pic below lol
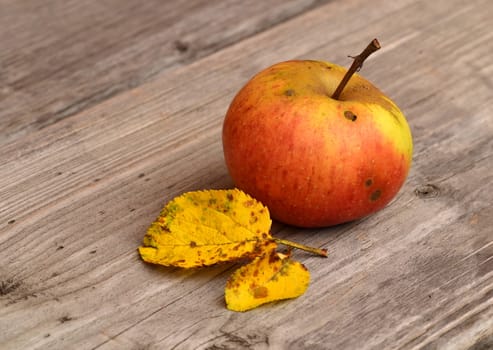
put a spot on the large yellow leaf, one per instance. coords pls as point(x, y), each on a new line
point(271, 277)
point(206, 227)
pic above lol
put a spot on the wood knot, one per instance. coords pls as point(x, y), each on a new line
point(8, 286)
point(181, 46)
point(427, 191)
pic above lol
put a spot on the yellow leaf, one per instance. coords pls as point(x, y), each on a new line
point(268, 278)
point(206, 227)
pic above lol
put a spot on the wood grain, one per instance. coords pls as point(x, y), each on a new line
point(64, 56)
point(77, 194)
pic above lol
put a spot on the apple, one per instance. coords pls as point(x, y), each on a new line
point(316, 143)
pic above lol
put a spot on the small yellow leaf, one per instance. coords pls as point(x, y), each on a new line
point(271, 277)
point(206, 227)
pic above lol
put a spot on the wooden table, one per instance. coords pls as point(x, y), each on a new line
point(108, 109)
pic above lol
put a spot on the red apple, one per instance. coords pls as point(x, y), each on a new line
point(312, 159)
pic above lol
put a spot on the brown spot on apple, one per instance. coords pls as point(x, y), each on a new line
point(375, 195)
point(368, 182)
point(289, 92)
point(350, 116)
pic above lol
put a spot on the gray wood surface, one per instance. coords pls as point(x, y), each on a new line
point(60, 57)
point(110, 109)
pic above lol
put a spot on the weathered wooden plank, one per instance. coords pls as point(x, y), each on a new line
point(169, 106)
point(417, 275)
point(60, 57)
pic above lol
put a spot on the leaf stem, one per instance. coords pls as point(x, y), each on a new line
point(357, 64)
point(317, 251)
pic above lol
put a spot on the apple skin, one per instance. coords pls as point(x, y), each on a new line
point(313, 160)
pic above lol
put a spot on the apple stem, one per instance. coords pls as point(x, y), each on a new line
point(317, 251)
point(356, 66)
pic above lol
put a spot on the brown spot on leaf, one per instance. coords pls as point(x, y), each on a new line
point(253, 219)
point(260, 292)
point(248, 203)
point(193, 244)
point(273, 258)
